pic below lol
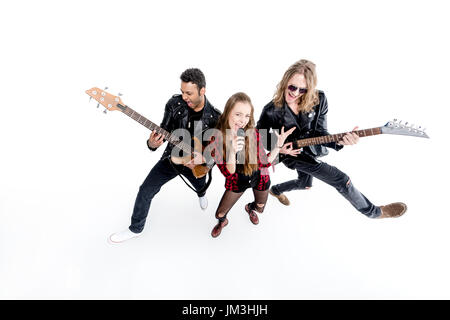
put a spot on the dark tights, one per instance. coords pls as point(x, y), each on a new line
point(229, 198)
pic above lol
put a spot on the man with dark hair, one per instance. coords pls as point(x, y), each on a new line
point(195, 76)
point(182, 111)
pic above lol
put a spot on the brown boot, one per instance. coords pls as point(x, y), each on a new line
point(218, 228)
point(282, 198)
point(252, 214)
point(393, 210)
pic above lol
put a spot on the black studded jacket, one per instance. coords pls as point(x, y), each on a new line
point(312, 124)
point(176, 117)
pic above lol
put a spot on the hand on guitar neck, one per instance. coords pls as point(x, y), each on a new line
point(155, 140)
point(349, 139)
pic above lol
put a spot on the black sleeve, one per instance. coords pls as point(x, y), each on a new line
point(166, 123)
point(264, 125)
point(151, 149)
point(321, 127)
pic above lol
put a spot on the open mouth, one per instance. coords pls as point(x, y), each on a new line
point(292, 96)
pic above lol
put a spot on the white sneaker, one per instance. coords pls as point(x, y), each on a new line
point(123, 236)
point(203, 202)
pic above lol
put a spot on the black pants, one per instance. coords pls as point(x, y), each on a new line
point(306, 170)
point(162, 172)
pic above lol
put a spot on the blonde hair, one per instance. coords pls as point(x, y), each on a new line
point(309, 99)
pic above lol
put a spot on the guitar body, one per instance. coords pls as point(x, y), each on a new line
point(198, 171)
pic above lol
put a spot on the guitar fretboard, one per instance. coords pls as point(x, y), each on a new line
point(153, 127)
point(336, 137)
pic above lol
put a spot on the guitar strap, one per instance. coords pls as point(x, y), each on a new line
point(196, 191)
point(206, 186)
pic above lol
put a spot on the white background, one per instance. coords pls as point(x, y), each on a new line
point(69, 174)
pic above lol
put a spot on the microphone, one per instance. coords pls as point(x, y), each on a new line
point(241, 154)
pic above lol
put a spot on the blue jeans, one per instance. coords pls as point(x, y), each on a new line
point(306, 170)
point(162, 172)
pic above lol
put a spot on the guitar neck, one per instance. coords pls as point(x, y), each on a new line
point(336, 137)
point(153, 127)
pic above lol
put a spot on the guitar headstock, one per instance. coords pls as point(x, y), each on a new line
point(109, 101)
point(397, 127)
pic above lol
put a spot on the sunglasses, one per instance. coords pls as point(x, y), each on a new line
point(293, 88)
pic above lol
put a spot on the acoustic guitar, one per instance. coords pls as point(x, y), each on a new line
point(114, 103)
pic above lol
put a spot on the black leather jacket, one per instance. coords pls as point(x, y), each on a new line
point(312, 124)
point(176, 117)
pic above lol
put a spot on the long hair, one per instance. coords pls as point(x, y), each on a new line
point(309, 99)
point(251, 164)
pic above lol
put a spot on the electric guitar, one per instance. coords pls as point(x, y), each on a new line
point(392, 127)
point(113, 103)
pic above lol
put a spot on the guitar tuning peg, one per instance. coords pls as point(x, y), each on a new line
point(395, 120)
point(406, 123)
point(98, 105)
point(119, 94)
point(104, 111)
point(106, 88)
